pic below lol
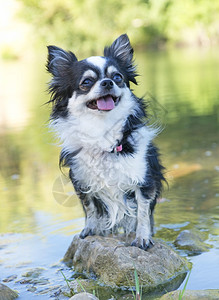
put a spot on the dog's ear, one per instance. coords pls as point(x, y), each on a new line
point(122, 51)
point(59, 61)
point(60, 65)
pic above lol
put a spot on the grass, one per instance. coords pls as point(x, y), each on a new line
point(137, 286)
point(181, 293)
point(95, 292)
point(138, 294)
point(66, 280)
point(78, 281)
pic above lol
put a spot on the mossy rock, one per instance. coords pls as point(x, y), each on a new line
point(193, 295)
point(192, 241)
point(113, 263)
point(6, 293)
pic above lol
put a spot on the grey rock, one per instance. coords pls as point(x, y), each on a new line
point(6, 293)
point(81, 285)
point(34, 276)
point(192, 242)
point(33, 273)
point(32, 289)
point(193, 295)
point(10, 278)
point(83, 296)
point(90, 286)
point(113, 263)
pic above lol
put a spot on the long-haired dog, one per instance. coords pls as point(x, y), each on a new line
point(106, 142)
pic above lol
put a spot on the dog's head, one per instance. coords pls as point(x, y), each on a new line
point(94, 85)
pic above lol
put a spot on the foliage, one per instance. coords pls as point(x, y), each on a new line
point(137, 286)
point(90, 24)
point(181, 293)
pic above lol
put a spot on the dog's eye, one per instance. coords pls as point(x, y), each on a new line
point(87, 82)
point(117, 78)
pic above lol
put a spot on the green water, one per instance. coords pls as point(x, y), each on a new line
point(38, 220)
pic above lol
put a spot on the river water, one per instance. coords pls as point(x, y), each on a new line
point(39, 212)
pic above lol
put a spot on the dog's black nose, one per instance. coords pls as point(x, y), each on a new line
point(107, 84)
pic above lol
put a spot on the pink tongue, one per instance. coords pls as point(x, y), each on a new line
point(105, 103)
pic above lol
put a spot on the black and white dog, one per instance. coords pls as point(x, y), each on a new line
point(106, 141)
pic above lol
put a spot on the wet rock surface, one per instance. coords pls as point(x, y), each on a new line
point(6, 293)
point(193, 295)
point(10, 278)
point(192, 241)
point(34, 276)
point(112, 263)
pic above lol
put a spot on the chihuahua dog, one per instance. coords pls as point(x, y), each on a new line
point(106, 140)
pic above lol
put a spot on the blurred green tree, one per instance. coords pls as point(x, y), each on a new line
point(90, 24)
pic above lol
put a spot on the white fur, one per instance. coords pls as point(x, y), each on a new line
point(97, 61)
point(99, 171)
point(86, 127)
point(108, 176)
point(89, 73)
point(112, 69)
point(77, 104)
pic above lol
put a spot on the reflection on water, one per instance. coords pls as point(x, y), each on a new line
point(182, 89)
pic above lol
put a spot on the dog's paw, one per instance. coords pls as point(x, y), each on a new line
point(142, 243)
point(86, 232)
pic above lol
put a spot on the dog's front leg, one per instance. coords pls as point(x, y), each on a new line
point(91, 222)
point(143, 238)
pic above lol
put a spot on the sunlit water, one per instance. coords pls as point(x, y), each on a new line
point(39, 213)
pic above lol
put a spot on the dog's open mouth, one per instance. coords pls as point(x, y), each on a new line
point(107, 102)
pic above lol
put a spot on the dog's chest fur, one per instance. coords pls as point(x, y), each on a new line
point(110, 176)
point(96, 166)
point(101, 173)
point(100, 169)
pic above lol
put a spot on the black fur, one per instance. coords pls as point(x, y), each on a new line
point(122, 52)
point(67, 74)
